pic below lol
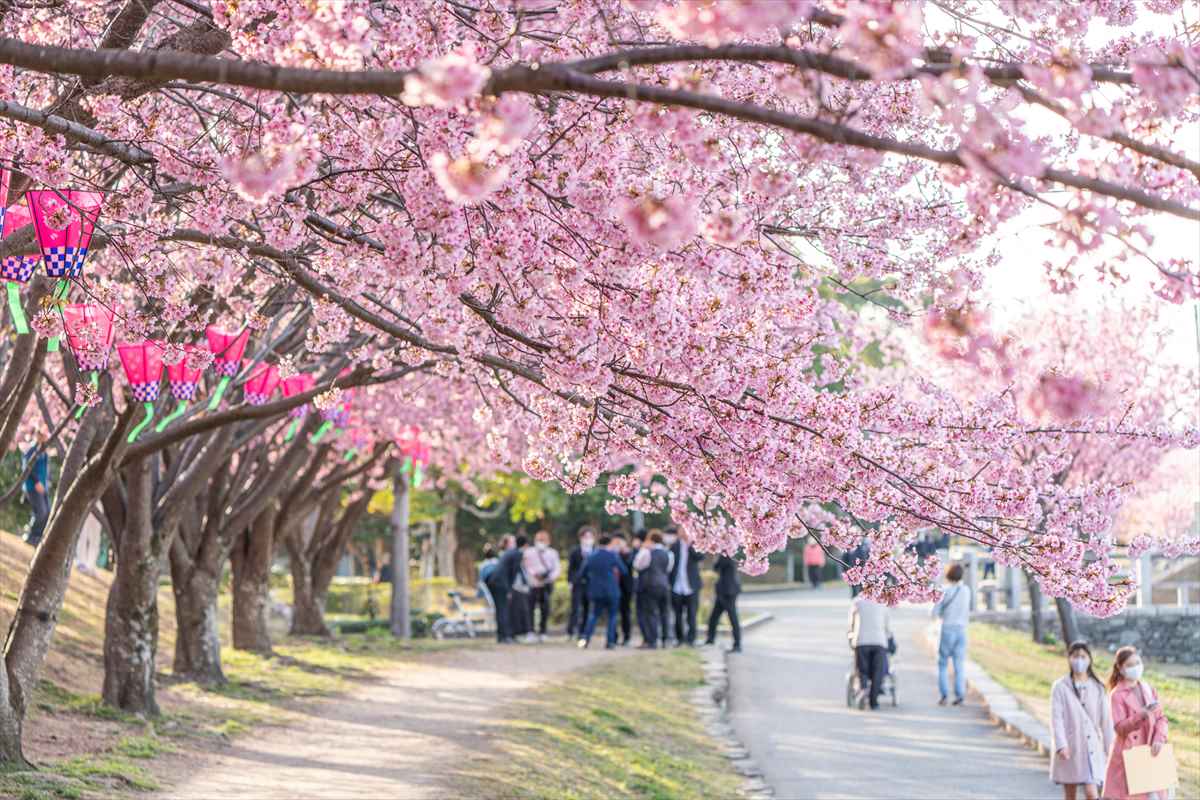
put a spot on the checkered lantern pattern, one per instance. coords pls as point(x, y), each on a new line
point(298, 412)
point(64, 262)
point(185, 390)
point(92, 360)
point(17, 268)
point(257, 398)
point(339, 416)
point(145, 392)
point(227, 368)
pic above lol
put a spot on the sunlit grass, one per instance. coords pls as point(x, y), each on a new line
point(625, 729)
point(1028, 670)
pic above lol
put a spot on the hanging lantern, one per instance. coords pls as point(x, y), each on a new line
point(18, 269)
point(143, 369)
point(184, 383)
point(227, 350)
point(261, 384)
point(296, 384)
point(414, 453)
point(63, 220)
point(90, 337)
point(338, 416)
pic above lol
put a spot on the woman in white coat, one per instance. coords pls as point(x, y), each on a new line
point(1081, 724)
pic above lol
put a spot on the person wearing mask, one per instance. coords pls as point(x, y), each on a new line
point(685, 587)
point(954, 610)
point(653, 564)
point(1081, 727)
point(603, 571)
point(729, 585)
point(542, 568)
point(37, 487)
point(493, 576)
point(870, 629)
point(1137, 719)
point(814, 561)
point(579, 602)
point(627, 585)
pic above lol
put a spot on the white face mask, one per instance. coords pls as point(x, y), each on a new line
point(587, 543)
point(1079, 665)
point(540, 545)
point(669, 539)
point(1133, 671)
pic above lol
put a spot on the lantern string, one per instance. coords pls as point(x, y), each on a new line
point(216, 398)
point(291, 431)
point(321, 431)
point(14, 308)
point(133, 434)
point(169, 418)
point(61, 290)
point(350, 454)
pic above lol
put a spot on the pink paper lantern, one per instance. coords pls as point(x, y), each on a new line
point(261, 384)
point(182, 379)
point(143, 369)
point(89, 334)
point(64, 220)
point(227, 349)
point(298, 384)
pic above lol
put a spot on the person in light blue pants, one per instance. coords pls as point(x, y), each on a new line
point(954, 610)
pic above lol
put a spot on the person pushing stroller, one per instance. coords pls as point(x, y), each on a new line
point(869, 634)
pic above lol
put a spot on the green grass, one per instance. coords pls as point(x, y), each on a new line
point(1028, 670)
point(99, 775)
point(625, 729)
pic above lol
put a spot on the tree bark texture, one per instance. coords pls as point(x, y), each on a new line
point(251, 561)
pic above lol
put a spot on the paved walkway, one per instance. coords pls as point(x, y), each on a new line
point(400, 739)
point(788, 704)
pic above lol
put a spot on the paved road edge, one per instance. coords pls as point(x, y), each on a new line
point(712, 703)
point(1002, 707)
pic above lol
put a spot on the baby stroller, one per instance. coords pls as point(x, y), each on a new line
point(856, 689)
point(466, 622)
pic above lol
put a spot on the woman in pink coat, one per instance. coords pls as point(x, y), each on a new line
point(1137, 719)
point(1081, 727)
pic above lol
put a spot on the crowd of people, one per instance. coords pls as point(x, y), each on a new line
point(652, 576)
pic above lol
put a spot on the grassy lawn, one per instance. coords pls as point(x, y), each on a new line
point(1028, 670)
point(624, 729)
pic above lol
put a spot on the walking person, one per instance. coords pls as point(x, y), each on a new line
point(628, 584)
point(685, 587)
point(1080, 726)
point(729, 585)
point(954, 610)
point(37, 487)
point(542, 568)
point(869, 632)
point(653, 564)
point(1137, 719)
point(603, 570)
point(814, 561)
point(577, 617)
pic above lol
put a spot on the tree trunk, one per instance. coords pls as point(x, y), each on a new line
point(401, 622)
point(197, 645)
point(251, 560)
point(131, 617)
point(1035, 608)
point(1066, 618)
point(308, 604)
point(447, 542)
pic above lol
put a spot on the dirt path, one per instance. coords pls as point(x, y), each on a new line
point(398, 739)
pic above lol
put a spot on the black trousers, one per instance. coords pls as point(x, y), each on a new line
point(626, 608)
point(579, 609)
point(541, 606)
point(814, 575)
point(725, 604)
point(40, 506)
point(503, 629)
point(871, 660)
point(652, 617)
point(685, 606)
point(520, 613)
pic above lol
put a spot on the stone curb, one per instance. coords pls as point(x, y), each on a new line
point(712, 704)
point(1002, 707)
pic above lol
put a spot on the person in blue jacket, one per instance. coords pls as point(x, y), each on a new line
point(37, 488)
point(603, 571)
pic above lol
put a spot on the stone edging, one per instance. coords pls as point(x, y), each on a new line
point(1002, 707)
point(712, 703)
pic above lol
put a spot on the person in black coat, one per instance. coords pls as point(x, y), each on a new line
point(505, 576)
point(685, 587)
point(579, 599)
point(728, 587)
point(653, 564)
point(628, 583)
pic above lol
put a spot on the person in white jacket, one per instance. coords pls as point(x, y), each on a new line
point(1081, 727)
point(870, 629)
